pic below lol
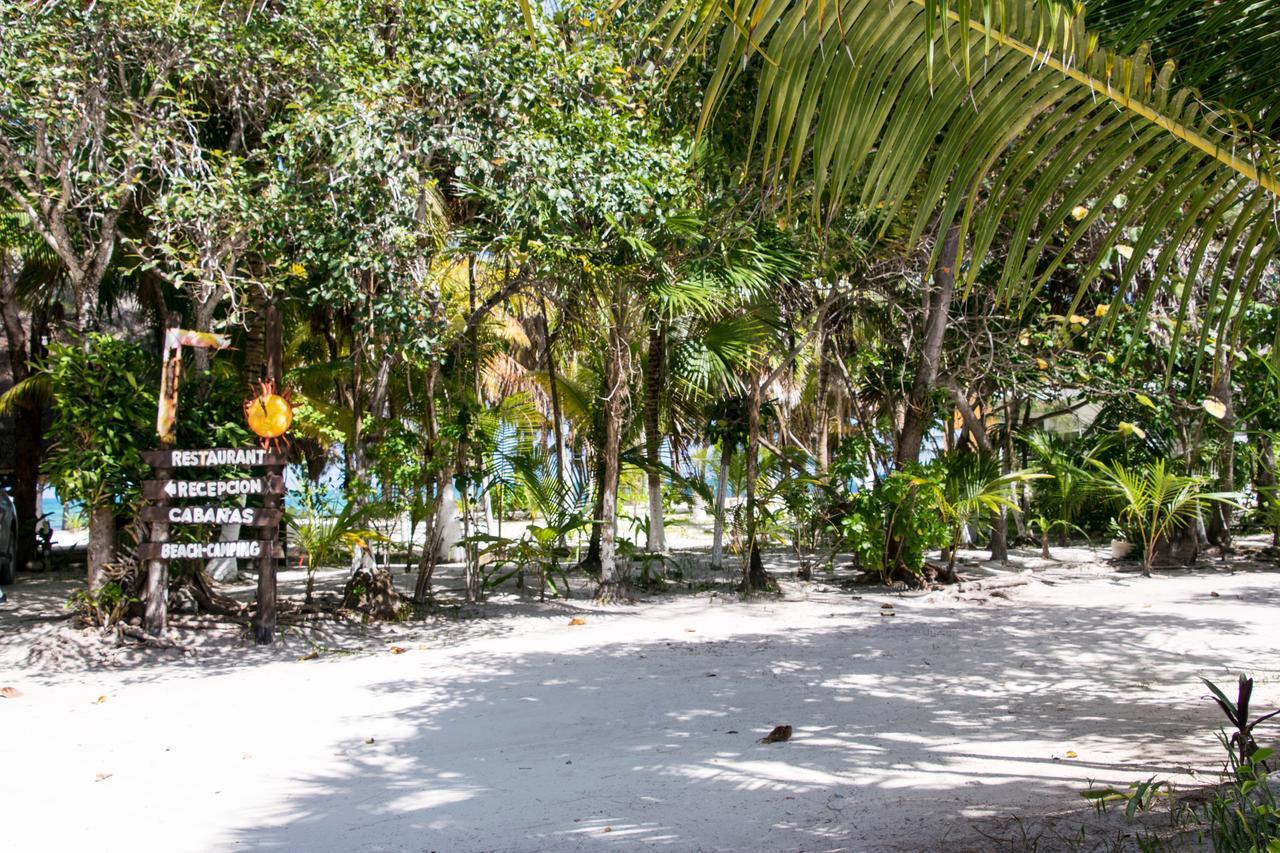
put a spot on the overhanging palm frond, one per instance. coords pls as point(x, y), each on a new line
point(710, 360)
point(1034, 137)
point(577, 404)
point(1226, 51)
point(35, 390)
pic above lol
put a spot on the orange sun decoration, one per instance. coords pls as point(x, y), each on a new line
point(269, 415)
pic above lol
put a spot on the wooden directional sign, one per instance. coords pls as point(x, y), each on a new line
point(249, 549)
point(216, 457)
point(248, 516)
point(162, 490)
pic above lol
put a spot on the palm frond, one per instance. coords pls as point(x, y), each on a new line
point(36, 390)
point(1034, 122)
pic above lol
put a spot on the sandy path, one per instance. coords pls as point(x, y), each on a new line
point(638, 729)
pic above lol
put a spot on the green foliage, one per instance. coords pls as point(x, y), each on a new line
point(1244, 815)
point(105, 417)
point(975, 489)
point(211, 410)
point(1154, 502)
point(325, 537)
point(901, 513)
point(1023, 126)
point(102, 607)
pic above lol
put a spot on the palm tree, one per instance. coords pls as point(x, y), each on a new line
point(1032, 142)
point(853, 93)
point(974, 486)
point(1063, 495)
point(29, 276)
point(1154, 501)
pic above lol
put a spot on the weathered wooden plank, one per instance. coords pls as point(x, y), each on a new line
point(159, 490)
point(251, 549)
point(214, 457)
point(211, 515)
point(156, 615)
point(264, 617)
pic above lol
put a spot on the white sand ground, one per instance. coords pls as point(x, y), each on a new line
point(946, 726)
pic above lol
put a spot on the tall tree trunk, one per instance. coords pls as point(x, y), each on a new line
point(822, 426)
point(102, 542)
point(975, 427)
point(919, 410)
point(218, 568)
point(264, 341)
point(1219, 527)
point(1264, 480)
point(435, 520)
point(591, 562)
point(28, 420)
point(202, 317)
point(557, 419)
point(612, 580)
point(754, 577)
point(653, 378)
point(722, 489)
point(1000, 525)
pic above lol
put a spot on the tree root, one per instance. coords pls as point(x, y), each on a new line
point(373, 592)
point(613, 592)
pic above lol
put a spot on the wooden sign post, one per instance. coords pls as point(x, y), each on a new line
point(165, 490)
point(264, 619)
point(156, 617)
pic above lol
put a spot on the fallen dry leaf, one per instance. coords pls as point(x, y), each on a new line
point(1071, 753)
point(577, 620)
point(780, 734)
point(98, 777)
point(1212, 594)
point(608, 829)
point(312, 655)
point(10, 693)
point(422, 647)
point(398, 650)
point(886, 606)
point(100, 700)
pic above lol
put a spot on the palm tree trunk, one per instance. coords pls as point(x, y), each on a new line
point(1264, 479)
point(754, 578)
point(653, 378)
point(1000, 526)
point(722, 489)
point(821, 439)
point(102, 542)
point(435, 520)
point(612, 581)
point(591, 562)
point(434, 536)
point(919, 413)
point(28, 420)
point(557, 420)
point(1219, 531)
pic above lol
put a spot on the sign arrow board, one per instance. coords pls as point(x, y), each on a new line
point(213, 457)
point(159, 490)
point(250, 549)
point(248, 516)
